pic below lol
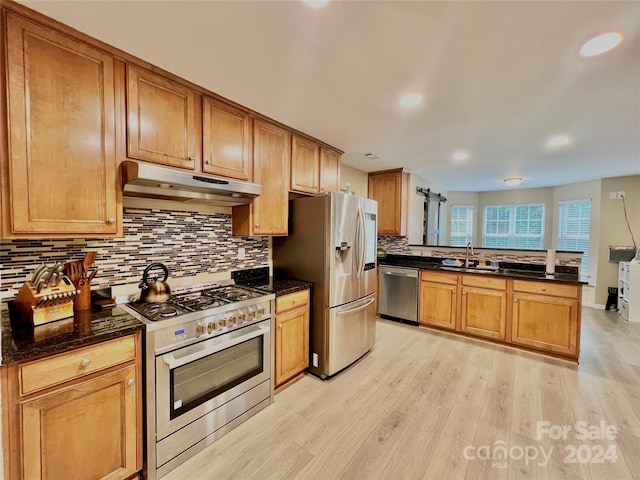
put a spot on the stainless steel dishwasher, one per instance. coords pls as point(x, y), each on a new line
point(399, 293)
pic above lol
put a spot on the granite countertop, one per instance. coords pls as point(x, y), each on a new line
point(23, 342)
point(506, 270)
point(283, 286)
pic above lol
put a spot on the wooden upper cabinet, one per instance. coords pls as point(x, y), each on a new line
point(329, 170)
point(269, 213)
point(390, 188)
point(61, 162)
point(314, 169)
point(305, 165)
point(161, 120)
point(226, 139)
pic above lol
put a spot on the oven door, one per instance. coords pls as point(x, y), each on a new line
point(196, 379)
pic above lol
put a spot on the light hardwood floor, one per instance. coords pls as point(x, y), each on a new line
point(421, 399)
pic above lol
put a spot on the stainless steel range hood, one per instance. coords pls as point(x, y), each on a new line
point(162, 183)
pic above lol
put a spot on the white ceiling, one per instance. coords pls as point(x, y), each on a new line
point(498, 78)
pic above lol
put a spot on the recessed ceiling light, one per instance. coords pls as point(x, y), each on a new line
point(460, 156)
point(411, 100)
point(512, 181)
point(557, 141)
point(600, 44)
point(316, 3)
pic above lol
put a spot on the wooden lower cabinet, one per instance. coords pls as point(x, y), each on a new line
point(84, 429)
point(539, 315)
point(484, 310)
point(292, 336)
point(546, 322)
point(438, 304)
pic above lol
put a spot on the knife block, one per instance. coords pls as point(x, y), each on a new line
point(51, 304)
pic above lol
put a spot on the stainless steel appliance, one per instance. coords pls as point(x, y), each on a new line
point(398, 296)
point(332, 242)
point(208, 368)
point(163, 183)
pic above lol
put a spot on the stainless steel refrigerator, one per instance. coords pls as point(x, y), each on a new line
point(332, 242)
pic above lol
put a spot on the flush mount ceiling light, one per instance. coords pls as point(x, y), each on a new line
point(316, 3)
point(600, 44)
point(512, 181)
point(558, 141)
point(460, 156)
point(372, 156)
point(411, 100)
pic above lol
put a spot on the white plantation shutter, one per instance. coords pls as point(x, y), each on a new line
point(574, 230)
point(461, 225)
point(514, 226)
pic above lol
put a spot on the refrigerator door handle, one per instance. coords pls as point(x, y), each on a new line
point(361, 242)
point(358, 242)
point(357, 309)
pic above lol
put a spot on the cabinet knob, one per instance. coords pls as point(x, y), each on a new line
point(257, 225)
point(131, 382)
point(192, 158)
point(279, 325)
point(85, 362)
point(515, 300)
point(544, 289)
point(111, 220)
point(208, 162)
point(464, 293)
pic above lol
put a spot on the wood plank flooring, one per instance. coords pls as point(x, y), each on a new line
point(421, 399)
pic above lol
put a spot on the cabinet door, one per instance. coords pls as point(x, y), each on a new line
point(546, 323)
point(161, 120)
point(62, 164)
point(305, 165)
point(292, 344)
point(438, 304)
point(226, 140)
point(483, 312)
point(83, 432)
point(269, 213)
point(389, 190)
point(330, 171)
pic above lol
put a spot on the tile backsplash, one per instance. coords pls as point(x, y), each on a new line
point(188, 243)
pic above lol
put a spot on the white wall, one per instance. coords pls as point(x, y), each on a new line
point(613, 228)
point(358, 179)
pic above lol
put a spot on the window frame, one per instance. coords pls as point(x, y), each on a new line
point(584, 267)
point(510, 235)
point(469, 222)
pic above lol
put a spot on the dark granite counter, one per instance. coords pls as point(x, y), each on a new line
point(280, 286)
point(21, 342)
point(505, 270)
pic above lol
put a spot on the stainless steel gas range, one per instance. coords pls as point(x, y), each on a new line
point(208, 368)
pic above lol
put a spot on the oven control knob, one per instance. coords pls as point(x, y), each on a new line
point(201, 329)
point(242, 318)
point(223, 322)
point(260, 311)
point(251, 315)
point(211, 327)
point(232, 321)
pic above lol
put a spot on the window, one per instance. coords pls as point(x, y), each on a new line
point(514, 226)
point(574, 228)
point(461, 225)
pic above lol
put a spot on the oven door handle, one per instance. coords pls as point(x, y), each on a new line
point(174, 362)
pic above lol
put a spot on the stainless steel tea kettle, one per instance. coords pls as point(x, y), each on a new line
point(154, 290)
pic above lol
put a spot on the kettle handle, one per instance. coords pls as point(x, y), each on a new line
point(150, 267)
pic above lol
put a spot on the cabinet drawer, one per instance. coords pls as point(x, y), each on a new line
point(440, 277)
point(292, 300)
point(483, 281)
point(546, 288)
point(67, 366)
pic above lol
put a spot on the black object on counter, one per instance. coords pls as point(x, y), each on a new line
point(22, 342)
point(259, 278)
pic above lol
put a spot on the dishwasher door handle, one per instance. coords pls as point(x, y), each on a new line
point(395, 274)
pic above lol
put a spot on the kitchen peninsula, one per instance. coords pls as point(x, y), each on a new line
point(514, 304)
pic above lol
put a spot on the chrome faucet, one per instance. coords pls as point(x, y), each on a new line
point(466, 262)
